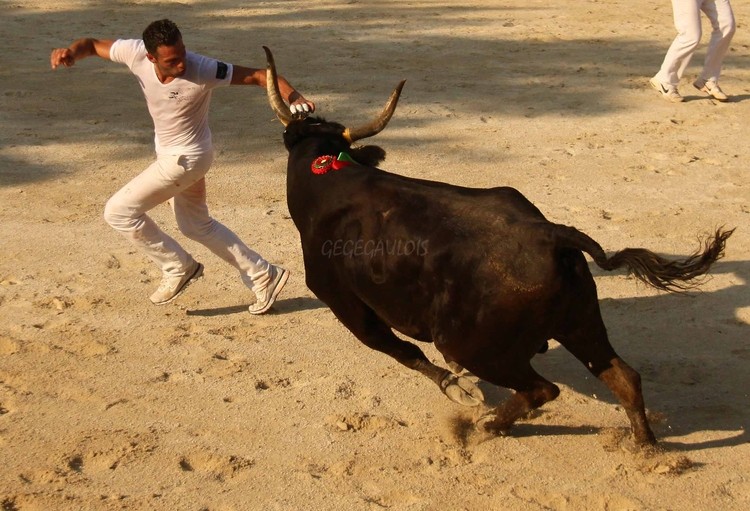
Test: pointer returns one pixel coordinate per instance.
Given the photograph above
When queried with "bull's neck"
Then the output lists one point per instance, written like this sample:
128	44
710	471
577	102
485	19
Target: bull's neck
311	148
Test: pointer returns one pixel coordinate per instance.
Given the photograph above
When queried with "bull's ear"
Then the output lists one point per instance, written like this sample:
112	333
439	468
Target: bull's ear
370	155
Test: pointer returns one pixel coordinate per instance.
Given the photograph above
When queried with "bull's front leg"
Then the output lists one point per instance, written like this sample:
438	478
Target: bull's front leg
459	389
376	334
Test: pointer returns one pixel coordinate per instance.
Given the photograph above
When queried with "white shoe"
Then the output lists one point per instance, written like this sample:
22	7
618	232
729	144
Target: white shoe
711	88
172	286
668	92
266	297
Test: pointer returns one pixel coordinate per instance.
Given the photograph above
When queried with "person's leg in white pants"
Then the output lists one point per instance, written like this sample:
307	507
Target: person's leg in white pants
181	178
687	21
719	13
194	221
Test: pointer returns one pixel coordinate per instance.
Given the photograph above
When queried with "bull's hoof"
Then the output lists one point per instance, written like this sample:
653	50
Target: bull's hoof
461	390
488	423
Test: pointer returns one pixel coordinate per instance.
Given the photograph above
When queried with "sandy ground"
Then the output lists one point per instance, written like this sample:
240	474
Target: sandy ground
107	402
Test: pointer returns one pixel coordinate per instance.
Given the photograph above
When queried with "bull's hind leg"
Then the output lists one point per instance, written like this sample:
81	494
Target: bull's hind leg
374	333
531	392
589	343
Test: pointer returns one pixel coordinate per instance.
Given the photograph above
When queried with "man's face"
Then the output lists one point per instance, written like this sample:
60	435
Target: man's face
170	60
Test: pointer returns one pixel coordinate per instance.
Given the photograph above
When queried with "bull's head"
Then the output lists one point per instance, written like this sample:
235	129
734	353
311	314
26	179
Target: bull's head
350	135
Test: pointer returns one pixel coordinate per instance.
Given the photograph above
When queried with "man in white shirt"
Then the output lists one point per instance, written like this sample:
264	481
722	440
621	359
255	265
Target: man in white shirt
177	85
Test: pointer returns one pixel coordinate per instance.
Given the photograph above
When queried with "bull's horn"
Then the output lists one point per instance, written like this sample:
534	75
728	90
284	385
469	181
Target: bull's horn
376	126
280	108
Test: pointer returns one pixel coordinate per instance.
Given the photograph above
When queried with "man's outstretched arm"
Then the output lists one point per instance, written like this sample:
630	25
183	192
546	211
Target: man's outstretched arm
80	49
250	76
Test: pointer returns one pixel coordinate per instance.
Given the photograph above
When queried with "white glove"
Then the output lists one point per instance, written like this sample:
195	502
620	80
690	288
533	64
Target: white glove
299	108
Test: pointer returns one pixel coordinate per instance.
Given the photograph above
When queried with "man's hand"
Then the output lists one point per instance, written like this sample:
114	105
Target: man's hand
61	56
302	107
80	49
299	105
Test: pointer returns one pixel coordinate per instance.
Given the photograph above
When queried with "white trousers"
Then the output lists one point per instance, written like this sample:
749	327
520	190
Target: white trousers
687	21
180	180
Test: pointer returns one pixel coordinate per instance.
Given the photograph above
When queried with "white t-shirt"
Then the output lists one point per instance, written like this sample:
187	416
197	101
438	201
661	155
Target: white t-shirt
179	108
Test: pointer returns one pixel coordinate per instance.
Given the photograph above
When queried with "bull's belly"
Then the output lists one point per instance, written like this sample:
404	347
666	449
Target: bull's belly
456	301
423	318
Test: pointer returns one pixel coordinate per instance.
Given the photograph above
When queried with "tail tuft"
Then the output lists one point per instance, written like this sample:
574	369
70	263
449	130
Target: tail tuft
672	275
653	269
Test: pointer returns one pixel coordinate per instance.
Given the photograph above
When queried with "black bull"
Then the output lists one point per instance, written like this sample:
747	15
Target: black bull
479	272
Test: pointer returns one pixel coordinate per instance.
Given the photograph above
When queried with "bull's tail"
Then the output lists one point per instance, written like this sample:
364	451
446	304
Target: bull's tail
654	270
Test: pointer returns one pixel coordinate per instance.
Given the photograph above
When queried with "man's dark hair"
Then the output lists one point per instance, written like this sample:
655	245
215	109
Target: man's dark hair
160	33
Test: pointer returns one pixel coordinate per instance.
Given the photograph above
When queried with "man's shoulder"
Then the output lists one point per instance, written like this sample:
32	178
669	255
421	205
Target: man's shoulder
127	50
200	59
209	69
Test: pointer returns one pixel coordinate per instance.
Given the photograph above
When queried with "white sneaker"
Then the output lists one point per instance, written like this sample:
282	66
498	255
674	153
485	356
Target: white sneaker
266	297
711	88
668	92
172	286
